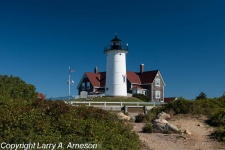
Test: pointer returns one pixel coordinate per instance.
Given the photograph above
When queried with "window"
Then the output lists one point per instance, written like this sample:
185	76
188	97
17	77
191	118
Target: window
157	82
157	94
88	85
83	86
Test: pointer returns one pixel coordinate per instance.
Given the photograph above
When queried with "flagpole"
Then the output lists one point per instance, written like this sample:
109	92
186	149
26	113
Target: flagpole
69	81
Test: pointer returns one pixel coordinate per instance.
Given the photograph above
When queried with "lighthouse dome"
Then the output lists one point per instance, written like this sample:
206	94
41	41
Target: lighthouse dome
116	44
116	39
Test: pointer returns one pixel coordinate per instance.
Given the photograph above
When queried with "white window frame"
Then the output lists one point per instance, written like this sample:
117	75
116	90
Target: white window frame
157	82
157	94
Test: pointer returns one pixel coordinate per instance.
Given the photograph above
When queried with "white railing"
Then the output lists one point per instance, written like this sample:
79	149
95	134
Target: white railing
114	104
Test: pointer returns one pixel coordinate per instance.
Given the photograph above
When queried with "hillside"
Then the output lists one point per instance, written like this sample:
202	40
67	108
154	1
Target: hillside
200	138
203	118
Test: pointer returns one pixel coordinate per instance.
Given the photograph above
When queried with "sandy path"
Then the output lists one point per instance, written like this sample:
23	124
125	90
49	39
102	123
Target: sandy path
199	139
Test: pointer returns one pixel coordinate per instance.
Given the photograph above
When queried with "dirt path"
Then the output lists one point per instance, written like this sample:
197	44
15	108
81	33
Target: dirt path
199	139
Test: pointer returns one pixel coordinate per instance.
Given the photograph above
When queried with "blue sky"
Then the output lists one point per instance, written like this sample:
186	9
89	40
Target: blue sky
184	39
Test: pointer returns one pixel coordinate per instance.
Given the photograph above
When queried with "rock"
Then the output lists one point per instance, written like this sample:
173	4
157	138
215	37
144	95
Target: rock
121	116
163	115
160	121
160	127
172	127
133	118
187	132
199	124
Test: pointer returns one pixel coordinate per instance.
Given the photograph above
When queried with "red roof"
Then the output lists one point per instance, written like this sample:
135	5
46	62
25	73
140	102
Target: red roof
147	77
133	77
41	96
98	79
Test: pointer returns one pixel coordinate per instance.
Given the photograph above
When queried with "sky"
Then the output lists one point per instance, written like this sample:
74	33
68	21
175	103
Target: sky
184	39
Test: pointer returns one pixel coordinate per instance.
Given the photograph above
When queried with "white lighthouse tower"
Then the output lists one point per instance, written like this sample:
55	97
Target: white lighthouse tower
116	82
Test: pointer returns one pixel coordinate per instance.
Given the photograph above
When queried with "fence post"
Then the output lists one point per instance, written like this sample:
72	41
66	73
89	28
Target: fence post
121	104
125	109
104	104
145	110
89	103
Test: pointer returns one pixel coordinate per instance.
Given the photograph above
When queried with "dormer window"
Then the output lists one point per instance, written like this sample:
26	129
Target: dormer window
157	82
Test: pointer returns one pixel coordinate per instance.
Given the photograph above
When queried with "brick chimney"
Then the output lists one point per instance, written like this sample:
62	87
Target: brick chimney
141	68
96	70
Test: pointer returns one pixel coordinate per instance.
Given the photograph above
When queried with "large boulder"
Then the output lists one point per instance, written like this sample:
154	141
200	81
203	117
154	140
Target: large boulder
162	127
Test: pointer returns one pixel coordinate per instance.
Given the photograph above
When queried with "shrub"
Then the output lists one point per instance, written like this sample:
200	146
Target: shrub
147	128
220	133
152	114
14	87
141	97
139	118
218	118
180	106
54	122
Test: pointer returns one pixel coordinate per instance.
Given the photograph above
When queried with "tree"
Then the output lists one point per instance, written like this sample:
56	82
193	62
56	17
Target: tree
14	87
202	95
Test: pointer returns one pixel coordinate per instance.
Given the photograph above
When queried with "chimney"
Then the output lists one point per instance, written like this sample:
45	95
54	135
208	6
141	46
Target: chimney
96	69
141	68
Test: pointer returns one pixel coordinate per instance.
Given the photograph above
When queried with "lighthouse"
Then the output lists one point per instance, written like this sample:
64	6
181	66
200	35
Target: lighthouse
116	81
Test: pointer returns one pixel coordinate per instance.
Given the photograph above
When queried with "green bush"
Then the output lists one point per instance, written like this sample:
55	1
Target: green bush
180	106
141	97
43	121
147	128
218	118
14	87
220	133
152	114
139	118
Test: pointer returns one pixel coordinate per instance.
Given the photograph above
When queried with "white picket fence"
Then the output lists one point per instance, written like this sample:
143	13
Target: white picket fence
115	104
